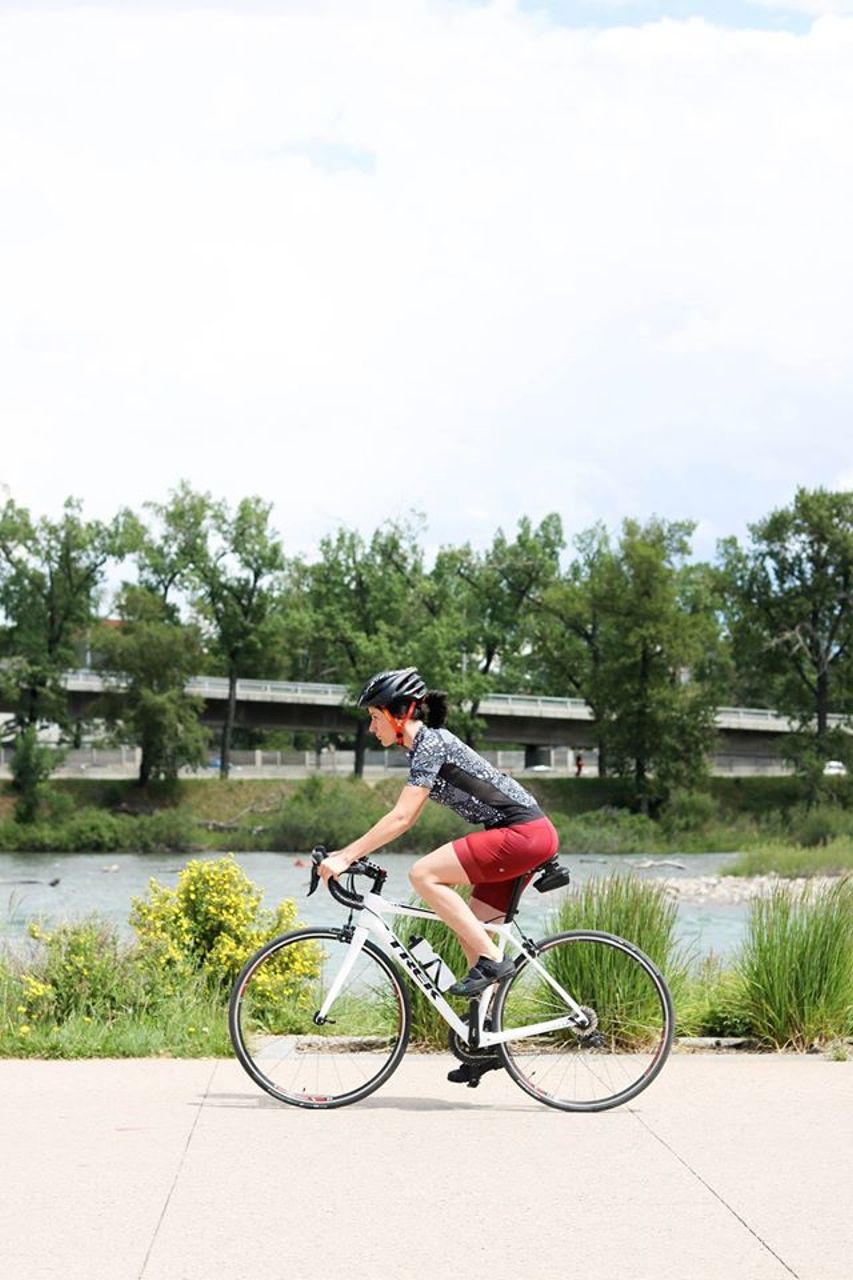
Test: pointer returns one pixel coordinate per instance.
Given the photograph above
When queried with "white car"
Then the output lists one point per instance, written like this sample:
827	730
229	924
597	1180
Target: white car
835	769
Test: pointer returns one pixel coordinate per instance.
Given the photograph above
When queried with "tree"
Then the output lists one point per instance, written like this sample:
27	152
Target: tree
492	597
149	657
51	573
32	764
789	610
365	607
236	566
656	709
569	628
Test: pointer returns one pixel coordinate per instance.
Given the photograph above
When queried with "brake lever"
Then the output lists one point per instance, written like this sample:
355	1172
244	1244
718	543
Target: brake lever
318	853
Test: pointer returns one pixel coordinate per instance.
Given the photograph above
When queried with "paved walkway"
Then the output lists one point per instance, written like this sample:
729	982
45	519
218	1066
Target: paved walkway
737	1167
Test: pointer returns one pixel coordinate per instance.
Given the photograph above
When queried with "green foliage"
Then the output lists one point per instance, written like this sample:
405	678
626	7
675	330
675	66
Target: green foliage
32	765
796	966
148	660
232	564
788	600
607	831
816	826
712	1003
485	604
657	716
785	859
85	993
83	970
630	908
688	811
94	831
210	923
335	811
50	575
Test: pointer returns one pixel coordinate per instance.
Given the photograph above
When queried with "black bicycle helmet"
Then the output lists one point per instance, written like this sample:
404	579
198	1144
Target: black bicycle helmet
389	687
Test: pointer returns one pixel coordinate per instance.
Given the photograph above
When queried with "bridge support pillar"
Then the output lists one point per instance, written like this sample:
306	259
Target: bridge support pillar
537	755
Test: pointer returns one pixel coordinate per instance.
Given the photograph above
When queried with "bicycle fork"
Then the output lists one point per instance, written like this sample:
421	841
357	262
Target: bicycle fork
357	941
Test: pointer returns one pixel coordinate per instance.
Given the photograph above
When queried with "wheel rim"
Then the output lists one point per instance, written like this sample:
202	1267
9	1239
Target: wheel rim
629	1029
275	1037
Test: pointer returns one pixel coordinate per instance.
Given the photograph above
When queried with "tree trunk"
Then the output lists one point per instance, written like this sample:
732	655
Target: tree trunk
822	707
640	732
470	735
360	748
228	725
602	758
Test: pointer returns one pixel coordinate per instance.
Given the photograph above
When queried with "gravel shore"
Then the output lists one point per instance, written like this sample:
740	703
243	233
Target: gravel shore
733	889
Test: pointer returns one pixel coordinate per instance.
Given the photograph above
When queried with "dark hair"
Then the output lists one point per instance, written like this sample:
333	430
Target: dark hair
432	709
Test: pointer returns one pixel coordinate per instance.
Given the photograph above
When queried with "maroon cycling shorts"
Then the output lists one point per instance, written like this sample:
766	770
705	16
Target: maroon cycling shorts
493	858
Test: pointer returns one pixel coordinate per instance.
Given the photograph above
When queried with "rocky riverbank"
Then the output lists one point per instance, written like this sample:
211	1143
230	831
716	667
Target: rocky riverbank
735	889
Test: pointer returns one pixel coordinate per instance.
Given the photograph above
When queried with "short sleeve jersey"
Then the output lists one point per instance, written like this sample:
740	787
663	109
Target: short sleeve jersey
460	778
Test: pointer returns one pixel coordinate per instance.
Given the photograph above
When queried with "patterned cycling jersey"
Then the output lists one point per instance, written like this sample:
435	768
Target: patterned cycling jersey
460	778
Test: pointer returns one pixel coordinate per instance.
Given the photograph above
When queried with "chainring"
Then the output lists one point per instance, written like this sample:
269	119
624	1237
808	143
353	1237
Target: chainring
462	1050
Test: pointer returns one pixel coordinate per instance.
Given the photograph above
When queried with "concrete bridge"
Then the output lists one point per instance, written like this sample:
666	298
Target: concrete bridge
534	721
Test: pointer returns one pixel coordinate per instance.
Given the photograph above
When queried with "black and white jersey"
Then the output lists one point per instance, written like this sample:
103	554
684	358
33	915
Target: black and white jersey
460	778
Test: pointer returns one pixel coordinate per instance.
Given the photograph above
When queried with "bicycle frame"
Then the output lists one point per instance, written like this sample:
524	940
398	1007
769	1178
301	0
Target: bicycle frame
372	913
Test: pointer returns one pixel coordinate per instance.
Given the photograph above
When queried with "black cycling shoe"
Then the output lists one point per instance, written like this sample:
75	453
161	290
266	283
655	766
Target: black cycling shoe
470	1072
482	975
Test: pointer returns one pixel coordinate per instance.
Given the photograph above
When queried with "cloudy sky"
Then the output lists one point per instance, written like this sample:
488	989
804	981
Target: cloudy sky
477	259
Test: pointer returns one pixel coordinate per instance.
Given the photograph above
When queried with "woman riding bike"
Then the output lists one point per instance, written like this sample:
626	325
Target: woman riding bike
516	837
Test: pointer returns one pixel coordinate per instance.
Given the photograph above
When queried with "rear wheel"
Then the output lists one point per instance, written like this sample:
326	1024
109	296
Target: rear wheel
272	1010
618	1046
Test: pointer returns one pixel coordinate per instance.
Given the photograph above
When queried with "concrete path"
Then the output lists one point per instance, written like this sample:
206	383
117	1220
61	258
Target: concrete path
737	1167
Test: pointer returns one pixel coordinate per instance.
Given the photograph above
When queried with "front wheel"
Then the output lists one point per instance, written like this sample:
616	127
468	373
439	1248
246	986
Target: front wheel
273	1007
613	1049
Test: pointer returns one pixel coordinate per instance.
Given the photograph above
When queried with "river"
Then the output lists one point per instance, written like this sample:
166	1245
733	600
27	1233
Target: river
54	887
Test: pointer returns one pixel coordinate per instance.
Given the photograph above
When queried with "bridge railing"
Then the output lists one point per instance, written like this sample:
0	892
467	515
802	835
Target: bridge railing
545	705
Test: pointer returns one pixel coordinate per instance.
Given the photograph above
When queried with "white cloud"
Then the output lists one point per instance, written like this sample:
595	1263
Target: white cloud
816	8
359	258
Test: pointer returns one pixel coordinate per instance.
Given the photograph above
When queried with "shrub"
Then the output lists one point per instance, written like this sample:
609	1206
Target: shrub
31	765
81	969
90	830
712	1003
817	826
688	811
171	830
210	923
796	966
607	831
328	811
793	860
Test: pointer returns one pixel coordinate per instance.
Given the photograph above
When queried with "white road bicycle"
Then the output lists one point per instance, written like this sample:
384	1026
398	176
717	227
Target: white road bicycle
321	1017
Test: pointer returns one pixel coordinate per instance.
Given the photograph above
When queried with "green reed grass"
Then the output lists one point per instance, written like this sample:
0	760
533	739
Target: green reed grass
791	860
796	966
638	910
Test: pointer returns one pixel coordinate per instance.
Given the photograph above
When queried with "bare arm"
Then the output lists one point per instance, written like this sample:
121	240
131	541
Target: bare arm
404	815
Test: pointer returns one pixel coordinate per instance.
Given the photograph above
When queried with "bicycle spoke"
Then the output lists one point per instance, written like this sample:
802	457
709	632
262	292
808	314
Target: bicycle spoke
272	1023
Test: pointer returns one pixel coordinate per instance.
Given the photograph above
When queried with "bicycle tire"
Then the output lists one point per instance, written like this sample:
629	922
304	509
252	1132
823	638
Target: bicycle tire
271	1020
630	1028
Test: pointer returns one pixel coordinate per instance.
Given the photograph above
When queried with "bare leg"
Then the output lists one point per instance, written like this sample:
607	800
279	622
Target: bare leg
432	877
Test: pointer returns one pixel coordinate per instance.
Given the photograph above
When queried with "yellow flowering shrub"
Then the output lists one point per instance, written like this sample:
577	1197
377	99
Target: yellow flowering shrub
211	922
83	969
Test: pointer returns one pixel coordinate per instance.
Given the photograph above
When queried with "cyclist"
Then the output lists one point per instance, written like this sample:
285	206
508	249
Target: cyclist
516	836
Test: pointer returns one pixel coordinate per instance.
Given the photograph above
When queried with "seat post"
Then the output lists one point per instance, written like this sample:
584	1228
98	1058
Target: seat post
517	890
